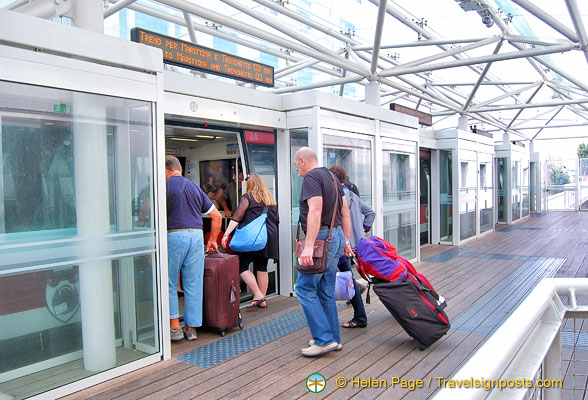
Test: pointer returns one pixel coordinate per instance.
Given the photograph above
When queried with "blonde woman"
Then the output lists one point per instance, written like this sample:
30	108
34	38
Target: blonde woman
251	206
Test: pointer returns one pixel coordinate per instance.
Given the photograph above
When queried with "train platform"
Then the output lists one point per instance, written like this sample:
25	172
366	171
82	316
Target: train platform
483	282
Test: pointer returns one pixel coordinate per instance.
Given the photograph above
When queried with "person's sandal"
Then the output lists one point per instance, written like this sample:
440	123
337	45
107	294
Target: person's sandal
352	324
257	303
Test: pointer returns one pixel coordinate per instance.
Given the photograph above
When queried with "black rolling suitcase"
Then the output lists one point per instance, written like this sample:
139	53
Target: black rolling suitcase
416	307
221	292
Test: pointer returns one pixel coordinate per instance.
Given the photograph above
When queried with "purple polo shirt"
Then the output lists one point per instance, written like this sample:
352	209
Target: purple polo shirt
185	206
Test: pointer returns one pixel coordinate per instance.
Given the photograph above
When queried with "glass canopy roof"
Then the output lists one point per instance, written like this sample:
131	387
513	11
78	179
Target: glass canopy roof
519	66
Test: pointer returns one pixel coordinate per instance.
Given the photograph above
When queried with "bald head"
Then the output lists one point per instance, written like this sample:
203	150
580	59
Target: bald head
305	160
307	153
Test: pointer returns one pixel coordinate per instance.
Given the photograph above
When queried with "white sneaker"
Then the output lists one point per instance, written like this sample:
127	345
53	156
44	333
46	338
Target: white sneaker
315	351
339	345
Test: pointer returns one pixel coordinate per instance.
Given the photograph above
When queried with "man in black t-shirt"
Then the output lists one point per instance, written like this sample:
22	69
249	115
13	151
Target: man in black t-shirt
316	292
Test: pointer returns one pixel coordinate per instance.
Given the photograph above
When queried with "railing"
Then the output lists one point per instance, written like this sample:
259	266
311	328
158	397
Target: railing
523	358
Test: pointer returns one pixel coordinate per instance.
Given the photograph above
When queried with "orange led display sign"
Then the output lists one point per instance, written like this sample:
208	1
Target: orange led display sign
188	55
424	118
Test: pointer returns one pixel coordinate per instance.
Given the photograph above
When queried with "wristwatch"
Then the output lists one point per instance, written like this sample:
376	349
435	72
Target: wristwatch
348	242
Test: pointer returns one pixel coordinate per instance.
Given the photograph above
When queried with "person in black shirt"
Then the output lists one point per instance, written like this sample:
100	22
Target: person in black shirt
316	292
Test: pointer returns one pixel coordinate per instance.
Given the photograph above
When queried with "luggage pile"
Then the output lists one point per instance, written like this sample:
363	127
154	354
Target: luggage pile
408	295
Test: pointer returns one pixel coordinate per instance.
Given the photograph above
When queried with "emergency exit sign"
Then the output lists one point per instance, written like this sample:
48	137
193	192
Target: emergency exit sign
61	109
189	55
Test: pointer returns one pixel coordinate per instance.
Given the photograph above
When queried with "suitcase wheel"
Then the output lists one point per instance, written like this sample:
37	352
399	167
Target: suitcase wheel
240	321
223	333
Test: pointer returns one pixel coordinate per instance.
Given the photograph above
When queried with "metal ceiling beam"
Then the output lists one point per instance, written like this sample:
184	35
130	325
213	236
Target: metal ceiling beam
547	123
320	52
419	43
479	60
415	27
119	5
578	25
535	117
240	26
417	94
548	19
502	83
378	35
480	79
510	94
214	32
315	85
523	128
452	52
534	40
526	103
536	105
281	8
290	69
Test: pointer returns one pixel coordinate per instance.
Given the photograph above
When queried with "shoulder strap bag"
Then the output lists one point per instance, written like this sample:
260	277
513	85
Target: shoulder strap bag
321	247
251	237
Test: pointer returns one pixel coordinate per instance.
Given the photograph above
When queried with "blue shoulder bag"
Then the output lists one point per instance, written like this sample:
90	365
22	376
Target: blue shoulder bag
251	237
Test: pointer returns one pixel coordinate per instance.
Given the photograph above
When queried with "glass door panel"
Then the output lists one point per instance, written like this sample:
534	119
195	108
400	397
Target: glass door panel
355	156
425	196
525	189
486	194
446	188
467	195
298	139
516	189
78	242
399	203
501	189
260	158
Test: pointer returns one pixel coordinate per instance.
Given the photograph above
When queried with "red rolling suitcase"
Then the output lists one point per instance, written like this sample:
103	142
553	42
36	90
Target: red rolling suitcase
221	292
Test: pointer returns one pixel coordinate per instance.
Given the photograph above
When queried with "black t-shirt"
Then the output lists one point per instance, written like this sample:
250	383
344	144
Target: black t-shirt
318	182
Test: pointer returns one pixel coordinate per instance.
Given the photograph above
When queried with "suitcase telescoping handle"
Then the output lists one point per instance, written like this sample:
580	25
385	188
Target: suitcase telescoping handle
363	275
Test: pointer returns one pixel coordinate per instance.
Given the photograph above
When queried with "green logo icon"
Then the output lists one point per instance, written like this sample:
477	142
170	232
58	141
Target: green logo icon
316	383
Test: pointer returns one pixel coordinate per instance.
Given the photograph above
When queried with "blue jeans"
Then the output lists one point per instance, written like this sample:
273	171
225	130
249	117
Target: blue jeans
359	315
316	293
185	253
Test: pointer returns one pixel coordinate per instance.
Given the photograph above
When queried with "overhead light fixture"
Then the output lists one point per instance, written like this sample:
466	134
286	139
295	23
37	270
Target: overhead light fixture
205	137
184	139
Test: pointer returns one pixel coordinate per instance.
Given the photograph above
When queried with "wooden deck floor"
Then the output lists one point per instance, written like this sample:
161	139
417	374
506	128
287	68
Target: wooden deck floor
382	350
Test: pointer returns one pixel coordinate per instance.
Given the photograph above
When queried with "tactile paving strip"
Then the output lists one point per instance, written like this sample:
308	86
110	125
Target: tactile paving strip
246	340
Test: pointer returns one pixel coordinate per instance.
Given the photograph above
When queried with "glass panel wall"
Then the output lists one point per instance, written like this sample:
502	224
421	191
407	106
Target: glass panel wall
446	187
525	188
260	148
467	194
298	139
516	189
501	189
399	203
355	156
486	193
583	177
77	237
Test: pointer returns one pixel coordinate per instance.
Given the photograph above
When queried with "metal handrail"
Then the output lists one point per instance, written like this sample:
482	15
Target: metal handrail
528	339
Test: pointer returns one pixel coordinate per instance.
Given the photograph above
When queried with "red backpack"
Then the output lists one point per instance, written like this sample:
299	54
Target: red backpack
378	258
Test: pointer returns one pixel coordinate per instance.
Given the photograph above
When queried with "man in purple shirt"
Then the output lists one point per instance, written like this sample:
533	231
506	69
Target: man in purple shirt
186	203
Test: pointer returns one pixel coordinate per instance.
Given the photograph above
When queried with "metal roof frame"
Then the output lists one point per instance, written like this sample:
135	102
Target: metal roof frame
481	93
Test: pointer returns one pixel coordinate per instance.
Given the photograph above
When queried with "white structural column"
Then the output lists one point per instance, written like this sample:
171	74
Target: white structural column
92	211
372	93
462	123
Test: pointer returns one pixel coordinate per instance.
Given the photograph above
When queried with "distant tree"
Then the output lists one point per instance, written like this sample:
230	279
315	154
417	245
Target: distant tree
559	176
582	151
583	156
